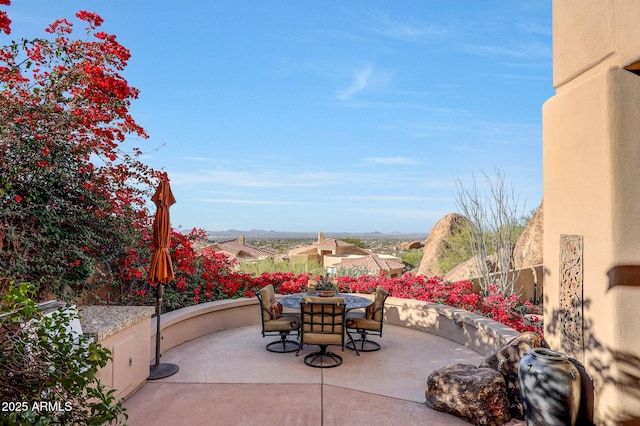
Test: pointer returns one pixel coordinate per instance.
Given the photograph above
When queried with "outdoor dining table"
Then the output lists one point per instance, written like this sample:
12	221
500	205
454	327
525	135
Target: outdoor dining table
351	301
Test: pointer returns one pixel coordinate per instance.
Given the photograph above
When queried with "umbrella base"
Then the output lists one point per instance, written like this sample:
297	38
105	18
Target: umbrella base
160	371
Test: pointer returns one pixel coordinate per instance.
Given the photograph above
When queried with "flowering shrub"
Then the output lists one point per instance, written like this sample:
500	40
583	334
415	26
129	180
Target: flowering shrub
462	294
222	282
71	200
5	22
199	276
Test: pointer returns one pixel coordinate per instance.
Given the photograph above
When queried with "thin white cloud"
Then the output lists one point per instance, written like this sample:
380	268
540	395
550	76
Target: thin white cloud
241	201
364	78
400	213
265	178
235	178
388	105
405	31
515	50
394	198
392	161
536	28
529	77
438	183
361	80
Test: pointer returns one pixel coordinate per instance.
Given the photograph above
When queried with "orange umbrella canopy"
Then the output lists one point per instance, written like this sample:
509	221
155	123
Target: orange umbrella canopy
161	270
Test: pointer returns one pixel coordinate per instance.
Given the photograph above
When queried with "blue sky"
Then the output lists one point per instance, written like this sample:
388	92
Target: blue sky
343	116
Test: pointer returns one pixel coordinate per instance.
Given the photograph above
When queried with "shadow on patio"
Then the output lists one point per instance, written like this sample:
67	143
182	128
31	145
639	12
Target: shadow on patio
229	378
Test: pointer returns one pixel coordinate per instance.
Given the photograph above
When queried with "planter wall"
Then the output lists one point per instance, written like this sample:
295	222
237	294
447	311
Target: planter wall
476	332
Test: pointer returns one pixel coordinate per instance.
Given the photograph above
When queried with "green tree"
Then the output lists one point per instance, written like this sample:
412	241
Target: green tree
356	242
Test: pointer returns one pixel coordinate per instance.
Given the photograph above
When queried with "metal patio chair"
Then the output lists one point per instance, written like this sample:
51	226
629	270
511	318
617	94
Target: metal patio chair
274	323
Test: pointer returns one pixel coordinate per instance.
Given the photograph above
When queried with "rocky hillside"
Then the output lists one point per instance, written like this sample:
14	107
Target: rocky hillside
527	251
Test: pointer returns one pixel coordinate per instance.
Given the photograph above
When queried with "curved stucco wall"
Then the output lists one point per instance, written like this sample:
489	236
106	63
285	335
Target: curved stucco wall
474	331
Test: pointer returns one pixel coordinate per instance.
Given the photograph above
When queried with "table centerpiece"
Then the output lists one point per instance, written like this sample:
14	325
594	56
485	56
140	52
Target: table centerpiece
326	288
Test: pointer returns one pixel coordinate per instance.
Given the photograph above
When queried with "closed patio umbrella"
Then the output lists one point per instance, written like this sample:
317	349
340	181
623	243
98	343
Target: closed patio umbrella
161	269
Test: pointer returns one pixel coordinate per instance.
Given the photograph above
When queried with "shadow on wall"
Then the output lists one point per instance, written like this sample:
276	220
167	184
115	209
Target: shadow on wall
475	331
608	367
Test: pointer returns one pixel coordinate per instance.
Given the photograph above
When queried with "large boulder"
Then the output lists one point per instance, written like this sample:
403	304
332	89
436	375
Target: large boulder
468	269
528	249
527	252
410	245
477	395
437	242
506	361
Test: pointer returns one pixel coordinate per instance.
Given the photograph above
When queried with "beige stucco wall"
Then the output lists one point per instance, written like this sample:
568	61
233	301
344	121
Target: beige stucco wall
592	33
591	159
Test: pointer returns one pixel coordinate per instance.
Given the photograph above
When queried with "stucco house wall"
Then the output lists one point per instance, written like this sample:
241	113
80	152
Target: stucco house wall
591	160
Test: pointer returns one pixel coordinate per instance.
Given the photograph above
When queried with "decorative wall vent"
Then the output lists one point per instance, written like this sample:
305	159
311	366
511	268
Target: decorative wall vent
571	295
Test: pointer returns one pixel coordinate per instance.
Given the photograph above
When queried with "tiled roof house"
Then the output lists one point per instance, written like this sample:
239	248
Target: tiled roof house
325	252
391	267
239	249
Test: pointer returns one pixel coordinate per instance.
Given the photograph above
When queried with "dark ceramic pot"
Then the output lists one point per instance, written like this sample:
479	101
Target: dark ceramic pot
549	388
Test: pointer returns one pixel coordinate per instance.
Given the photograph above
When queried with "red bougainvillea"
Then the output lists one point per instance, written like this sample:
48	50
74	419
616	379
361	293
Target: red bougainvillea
5	22
65	181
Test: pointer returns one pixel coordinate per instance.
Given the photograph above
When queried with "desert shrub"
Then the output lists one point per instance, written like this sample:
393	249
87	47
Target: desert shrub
412	257
272	265
355	241
353	271
495	213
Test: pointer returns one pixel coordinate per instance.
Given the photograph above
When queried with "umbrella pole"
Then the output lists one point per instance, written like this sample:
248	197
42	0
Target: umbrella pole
159	294
160	371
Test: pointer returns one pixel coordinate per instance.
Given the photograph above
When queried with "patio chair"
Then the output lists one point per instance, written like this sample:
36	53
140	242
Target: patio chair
368	323
274	323
322	324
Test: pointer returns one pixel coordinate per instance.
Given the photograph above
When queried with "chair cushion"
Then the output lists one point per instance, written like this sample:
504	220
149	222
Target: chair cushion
369	310
322	339
318	299
283	323
363	324
267	296
381	294
276	310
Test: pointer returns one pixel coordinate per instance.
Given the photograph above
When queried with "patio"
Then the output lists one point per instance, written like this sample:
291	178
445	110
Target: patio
229	378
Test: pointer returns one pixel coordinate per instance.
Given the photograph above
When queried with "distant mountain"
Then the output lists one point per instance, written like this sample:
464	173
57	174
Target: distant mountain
260	234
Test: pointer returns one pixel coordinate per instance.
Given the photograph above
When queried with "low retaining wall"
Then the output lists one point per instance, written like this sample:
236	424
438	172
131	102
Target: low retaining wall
474	331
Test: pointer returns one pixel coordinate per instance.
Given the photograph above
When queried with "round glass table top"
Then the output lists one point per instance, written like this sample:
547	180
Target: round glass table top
351	301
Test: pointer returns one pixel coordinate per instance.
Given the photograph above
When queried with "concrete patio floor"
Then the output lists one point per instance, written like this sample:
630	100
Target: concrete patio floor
229	378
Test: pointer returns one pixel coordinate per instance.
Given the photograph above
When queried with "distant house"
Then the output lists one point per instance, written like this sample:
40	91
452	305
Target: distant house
390	267
327	252
239	249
